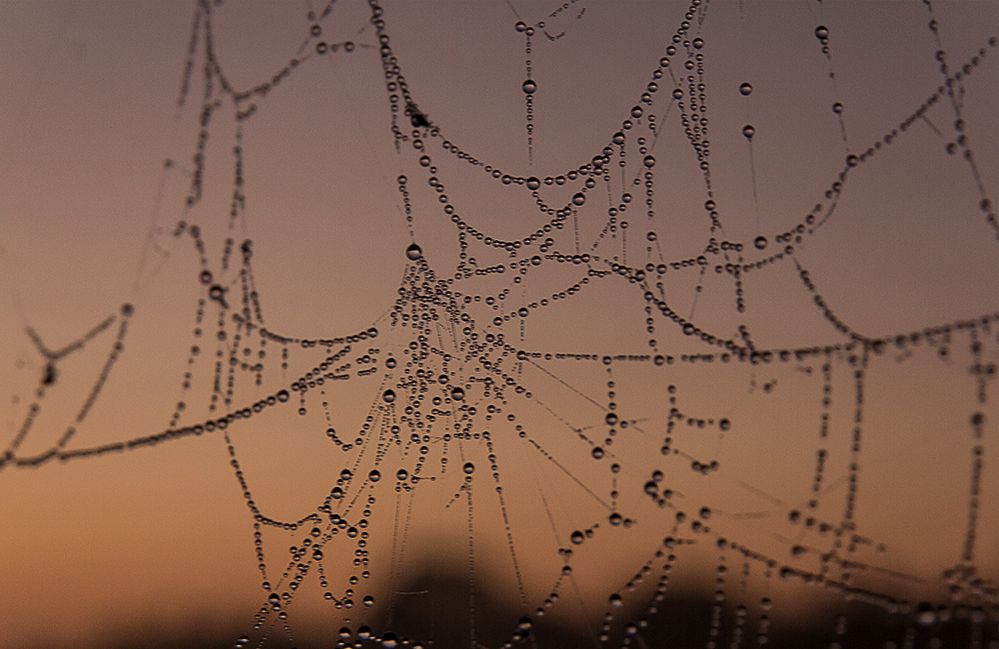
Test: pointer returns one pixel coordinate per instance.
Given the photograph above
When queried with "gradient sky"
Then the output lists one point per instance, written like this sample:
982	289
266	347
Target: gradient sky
161	538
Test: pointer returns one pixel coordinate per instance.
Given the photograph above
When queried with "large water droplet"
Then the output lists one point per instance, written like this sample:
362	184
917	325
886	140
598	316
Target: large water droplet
414	252
926	615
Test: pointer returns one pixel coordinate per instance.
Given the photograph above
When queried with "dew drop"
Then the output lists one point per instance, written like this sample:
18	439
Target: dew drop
748	131
926	615
388	396
414	252
760	242
529	87
745	89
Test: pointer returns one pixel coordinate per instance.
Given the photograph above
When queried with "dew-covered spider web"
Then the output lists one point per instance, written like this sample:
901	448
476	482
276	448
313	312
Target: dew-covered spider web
501	324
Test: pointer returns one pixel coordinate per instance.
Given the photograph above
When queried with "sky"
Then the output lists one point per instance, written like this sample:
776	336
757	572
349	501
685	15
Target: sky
157	542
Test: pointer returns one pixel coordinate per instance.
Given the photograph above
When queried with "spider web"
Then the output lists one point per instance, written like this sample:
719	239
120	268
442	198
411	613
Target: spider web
592	382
